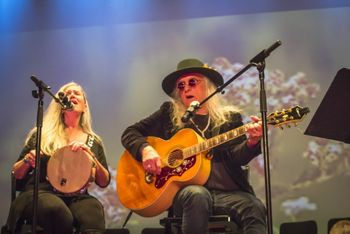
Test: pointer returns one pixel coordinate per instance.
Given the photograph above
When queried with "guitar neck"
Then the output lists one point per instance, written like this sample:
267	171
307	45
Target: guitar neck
214	141
277	119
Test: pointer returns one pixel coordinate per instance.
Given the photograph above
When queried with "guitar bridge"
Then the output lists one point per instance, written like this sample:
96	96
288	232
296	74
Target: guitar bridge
148	178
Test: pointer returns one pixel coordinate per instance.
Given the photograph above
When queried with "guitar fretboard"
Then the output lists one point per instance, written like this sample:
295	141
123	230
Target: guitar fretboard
214	141
277	118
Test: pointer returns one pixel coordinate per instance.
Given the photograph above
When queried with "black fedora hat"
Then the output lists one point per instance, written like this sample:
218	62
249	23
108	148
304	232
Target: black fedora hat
190	65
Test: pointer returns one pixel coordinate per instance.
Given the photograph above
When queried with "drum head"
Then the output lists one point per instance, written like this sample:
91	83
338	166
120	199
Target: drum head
68	171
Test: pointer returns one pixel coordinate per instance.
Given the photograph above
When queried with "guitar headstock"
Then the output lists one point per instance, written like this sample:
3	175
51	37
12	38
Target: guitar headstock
287	116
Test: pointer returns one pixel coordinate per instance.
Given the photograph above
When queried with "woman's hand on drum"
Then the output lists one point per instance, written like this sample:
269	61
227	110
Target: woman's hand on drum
76	145
22	167
29	158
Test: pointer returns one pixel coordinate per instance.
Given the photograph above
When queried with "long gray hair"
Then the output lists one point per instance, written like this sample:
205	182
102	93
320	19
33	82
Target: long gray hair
217	107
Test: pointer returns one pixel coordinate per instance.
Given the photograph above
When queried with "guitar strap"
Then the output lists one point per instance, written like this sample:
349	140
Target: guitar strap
90	141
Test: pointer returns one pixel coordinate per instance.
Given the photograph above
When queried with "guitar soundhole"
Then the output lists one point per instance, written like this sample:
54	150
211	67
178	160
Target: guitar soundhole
175	158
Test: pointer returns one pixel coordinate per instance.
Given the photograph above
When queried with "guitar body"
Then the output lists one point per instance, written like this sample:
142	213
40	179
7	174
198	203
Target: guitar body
152	198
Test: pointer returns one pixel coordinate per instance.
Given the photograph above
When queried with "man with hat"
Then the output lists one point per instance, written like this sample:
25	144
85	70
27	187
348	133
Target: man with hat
227	190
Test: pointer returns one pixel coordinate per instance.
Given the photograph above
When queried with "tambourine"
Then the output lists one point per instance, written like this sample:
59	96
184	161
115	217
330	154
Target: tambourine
70	172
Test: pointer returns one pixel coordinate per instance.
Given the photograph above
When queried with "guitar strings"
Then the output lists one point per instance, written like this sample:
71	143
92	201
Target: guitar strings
202	132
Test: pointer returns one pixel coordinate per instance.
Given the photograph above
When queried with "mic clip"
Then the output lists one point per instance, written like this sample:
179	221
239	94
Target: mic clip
67	105
194	106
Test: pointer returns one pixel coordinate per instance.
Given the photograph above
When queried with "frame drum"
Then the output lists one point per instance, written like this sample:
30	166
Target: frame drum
70	172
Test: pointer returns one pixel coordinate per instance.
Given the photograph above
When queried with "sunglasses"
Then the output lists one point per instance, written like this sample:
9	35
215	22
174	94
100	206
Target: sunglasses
191	82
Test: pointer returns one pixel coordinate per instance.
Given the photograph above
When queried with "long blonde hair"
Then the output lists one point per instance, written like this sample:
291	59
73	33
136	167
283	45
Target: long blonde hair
53	134
217	107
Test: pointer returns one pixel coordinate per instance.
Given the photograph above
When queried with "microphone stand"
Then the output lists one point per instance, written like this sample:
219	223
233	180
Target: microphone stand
39	94
259	62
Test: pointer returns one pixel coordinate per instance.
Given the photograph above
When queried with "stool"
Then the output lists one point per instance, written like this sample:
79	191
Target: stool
301	227
217	224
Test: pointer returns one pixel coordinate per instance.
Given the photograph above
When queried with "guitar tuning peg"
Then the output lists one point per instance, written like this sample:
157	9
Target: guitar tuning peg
281	127
288	126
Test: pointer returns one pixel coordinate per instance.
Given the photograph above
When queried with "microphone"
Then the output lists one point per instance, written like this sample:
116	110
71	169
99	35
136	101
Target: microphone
39	83
67	104
265	53
190	111
272	48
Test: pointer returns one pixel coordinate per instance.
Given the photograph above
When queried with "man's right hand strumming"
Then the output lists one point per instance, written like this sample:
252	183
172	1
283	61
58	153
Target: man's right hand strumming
151	160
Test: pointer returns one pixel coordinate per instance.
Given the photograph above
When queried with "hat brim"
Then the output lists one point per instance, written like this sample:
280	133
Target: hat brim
169	81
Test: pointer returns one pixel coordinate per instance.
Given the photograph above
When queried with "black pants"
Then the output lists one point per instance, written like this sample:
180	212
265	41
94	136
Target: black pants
57	215
195	204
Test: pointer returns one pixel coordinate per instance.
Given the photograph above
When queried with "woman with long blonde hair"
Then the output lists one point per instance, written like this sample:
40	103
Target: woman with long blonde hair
63	130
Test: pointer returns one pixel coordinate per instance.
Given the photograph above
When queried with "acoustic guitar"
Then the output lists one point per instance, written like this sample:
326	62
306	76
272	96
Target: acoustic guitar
184	162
